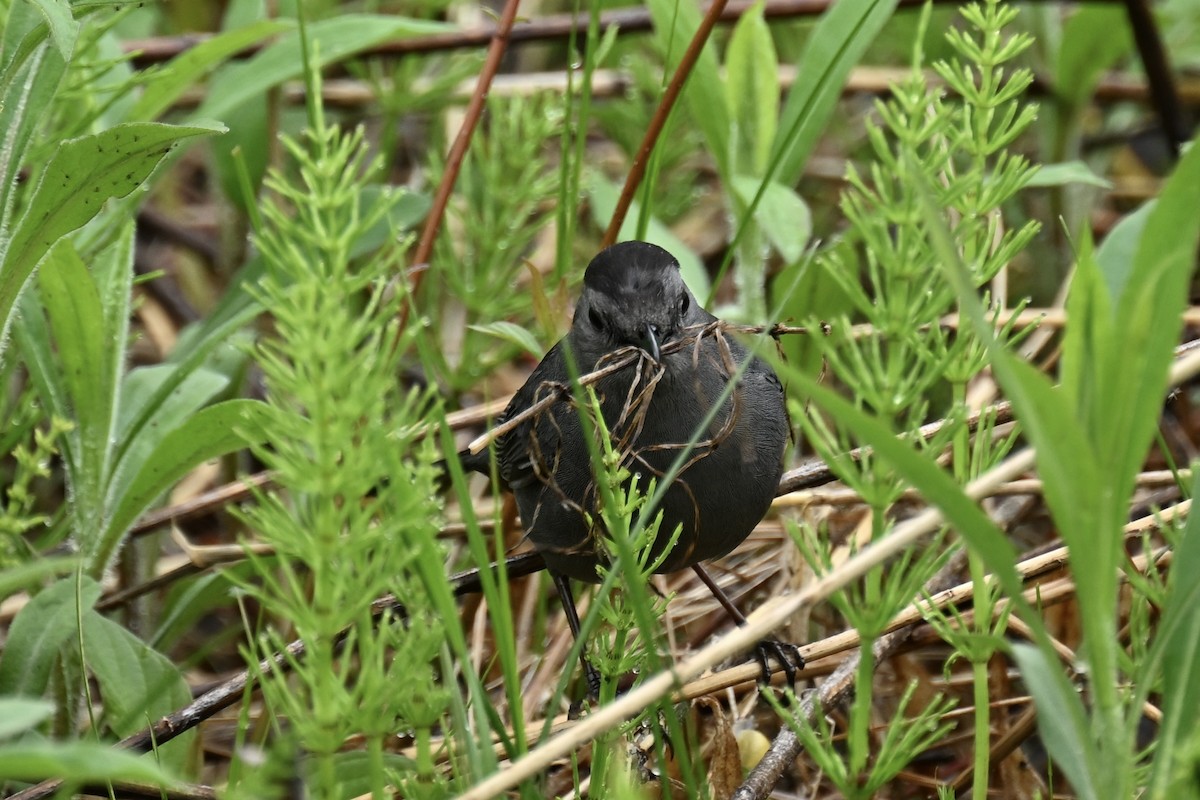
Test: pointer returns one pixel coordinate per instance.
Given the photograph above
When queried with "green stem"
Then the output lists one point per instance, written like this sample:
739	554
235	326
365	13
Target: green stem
983	739
375	762
860	709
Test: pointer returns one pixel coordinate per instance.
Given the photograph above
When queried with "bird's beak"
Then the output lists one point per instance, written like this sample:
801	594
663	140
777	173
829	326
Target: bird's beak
650	342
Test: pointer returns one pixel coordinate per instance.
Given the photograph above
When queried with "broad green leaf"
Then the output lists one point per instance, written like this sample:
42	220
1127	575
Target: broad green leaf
833	49
1065	173
243	12
27	88
1074	485
1089	337
20	714
167	83
675	23
137	683
1077	487
1093	38
82	174
89	317
37	633
405	209
209	433
1062	721
604	194
62	24
1148	312
1070	468
143	383
78	762
1178	640
195	347
32	334
752	93
245	149
77	320
1116	253
511	333
337	39
23	576
782	214
22	20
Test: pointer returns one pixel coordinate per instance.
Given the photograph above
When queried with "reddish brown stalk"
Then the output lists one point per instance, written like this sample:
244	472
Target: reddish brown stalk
637	169
458	151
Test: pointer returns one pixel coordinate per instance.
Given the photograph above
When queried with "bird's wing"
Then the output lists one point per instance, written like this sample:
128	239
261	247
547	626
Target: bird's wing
512	449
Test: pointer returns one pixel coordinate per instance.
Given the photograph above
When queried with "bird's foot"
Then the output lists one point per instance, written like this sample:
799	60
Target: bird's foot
787	654
593	692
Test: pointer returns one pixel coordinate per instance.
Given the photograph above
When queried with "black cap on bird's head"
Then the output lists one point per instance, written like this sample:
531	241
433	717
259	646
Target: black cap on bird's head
633	294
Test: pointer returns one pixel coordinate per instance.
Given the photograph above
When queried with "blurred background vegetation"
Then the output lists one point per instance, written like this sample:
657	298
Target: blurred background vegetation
211	220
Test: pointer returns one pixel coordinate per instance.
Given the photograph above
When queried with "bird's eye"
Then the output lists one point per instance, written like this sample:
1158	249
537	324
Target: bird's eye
685	304
595	318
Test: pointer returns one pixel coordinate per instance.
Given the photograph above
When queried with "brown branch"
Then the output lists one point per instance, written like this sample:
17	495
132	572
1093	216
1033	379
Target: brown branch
637	169
455	158
1163	93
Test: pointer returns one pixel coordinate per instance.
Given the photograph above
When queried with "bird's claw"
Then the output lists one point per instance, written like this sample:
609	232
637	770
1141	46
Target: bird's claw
787	654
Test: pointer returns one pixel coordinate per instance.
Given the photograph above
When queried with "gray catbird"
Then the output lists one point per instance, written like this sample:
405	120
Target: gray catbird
634	297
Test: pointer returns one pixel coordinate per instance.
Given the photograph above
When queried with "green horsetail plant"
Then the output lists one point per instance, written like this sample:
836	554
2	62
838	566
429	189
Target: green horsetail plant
356	513
888	267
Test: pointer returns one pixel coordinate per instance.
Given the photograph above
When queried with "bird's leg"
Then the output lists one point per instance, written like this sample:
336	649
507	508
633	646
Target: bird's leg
787	654
563	584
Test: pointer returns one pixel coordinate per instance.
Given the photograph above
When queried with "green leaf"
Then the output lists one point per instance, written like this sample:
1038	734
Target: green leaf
833	49
752	93
337	39
29	83
73	305
1093	38
1062	720
1088	339
189	394
925	475
137	683
1066	173
62	24
77	762
1116	254
782	214
23	576
189	600
20	714
37	633
1148	317
675	23
32	335
209	433
82	174
405	209
511	333
246	148
173	409
1178	640
89	317
168	83
604	194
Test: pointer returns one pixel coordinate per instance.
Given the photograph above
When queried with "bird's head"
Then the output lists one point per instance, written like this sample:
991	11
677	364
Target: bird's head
633	294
